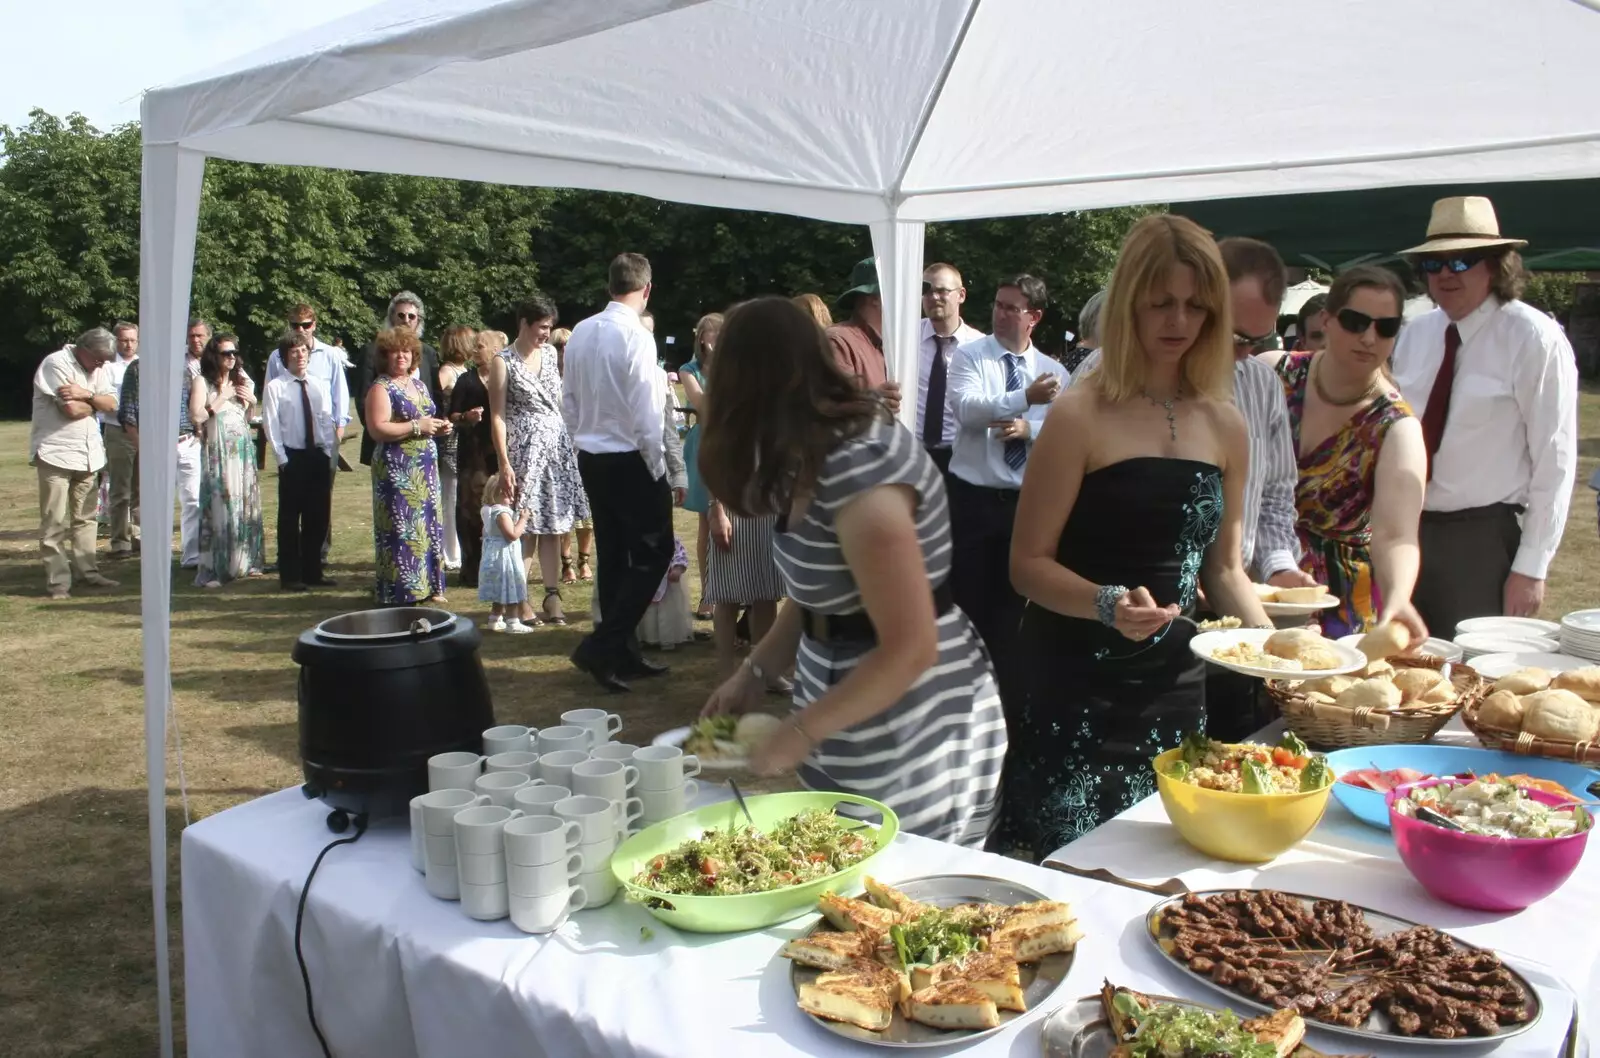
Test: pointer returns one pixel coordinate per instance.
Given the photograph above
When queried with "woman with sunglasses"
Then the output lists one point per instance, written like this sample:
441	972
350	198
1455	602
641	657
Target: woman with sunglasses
221	397
1362	463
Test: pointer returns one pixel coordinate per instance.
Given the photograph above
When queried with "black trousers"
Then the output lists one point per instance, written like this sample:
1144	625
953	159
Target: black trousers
941	459
980	572
1466	558
304	499
632	514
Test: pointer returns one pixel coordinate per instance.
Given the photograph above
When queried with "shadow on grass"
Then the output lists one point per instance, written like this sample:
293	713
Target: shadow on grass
1589	447
250	686
280	740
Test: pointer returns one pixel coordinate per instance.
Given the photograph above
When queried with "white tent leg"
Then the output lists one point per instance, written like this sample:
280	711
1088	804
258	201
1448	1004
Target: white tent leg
169	215
897	244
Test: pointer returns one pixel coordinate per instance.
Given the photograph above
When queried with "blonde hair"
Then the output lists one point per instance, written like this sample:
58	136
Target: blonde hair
1152	249
817	307
492	494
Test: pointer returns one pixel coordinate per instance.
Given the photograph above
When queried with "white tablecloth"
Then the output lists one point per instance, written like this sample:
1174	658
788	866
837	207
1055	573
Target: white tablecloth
398	974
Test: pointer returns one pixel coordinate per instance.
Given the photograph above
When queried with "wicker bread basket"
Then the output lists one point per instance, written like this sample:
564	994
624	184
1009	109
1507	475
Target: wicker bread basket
1526	744
1328	726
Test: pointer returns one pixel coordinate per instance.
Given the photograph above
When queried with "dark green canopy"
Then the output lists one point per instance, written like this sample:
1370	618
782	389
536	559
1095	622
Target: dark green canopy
1336	229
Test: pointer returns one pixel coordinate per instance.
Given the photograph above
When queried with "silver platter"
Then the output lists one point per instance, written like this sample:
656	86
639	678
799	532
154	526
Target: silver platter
1079	1029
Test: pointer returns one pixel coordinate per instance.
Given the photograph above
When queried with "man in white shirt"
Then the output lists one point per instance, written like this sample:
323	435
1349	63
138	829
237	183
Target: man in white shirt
297	417
614	405
942	330
1000	389
330	364
1496	385
122	455
70	388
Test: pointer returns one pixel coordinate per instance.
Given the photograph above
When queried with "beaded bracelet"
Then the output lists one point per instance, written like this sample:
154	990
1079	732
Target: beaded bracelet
1105	603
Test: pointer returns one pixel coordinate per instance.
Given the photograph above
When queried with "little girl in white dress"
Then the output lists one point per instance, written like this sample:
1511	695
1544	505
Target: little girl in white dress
502	578
667	621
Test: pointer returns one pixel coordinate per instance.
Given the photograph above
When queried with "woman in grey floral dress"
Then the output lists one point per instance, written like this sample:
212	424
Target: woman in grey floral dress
533	446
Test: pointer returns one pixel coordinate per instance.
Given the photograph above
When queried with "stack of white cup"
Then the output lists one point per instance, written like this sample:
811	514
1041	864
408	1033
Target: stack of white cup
666	785
541	865
602	822
613	781
481	860
439	811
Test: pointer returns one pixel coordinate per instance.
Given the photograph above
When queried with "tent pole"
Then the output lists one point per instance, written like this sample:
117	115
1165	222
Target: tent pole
169	214
897	244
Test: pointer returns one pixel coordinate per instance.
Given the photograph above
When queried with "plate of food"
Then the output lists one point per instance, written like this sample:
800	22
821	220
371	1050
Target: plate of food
1277	654
711	870
931	961
1343	968
723	743
1122	1023
1295	602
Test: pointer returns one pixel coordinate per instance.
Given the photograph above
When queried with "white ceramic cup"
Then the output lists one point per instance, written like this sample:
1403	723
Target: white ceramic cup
507	738
453	771
441	880
482	870
438	850
556	767
539	798
622	751
663	767
542	914
556	739
664	804
610	779
525	761
597	855
478	829
600	818
486	902
439	810
544	878
500	786
419	848
598	888
600	724
535	840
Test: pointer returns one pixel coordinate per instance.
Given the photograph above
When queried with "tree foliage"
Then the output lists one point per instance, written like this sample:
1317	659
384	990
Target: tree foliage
271	236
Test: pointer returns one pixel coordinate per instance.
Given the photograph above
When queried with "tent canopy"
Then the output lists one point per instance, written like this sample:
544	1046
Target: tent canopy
1333	230
889	113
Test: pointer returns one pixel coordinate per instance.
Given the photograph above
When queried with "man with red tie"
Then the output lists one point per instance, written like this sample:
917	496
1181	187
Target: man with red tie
1496	385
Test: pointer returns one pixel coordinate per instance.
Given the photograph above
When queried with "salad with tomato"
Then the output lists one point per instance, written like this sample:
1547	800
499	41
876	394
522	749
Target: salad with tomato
1251	767
803	848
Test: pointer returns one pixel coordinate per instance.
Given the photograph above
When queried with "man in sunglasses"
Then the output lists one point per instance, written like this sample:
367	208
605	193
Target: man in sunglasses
405	310
1496	385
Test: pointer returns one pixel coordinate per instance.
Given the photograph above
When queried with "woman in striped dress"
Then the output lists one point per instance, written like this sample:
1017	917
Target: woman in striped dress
895	698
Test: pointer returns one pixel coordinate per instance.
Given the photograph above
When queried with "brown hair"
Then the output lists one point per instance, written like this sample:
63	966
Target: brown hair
211	361
292	340
710	321
1254	259
782	405
1510	277
1155	246
817	308
628	272
1364	277
456	344
301	311
394	340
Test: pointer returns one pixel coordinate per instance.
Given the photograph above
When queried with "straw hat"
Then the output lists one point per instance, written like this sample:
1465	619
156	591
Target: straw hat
1463	223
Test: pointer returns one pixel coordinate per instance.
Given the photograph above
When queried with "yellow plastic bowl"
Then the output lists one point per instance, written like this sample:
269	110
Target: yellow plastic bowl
1243	828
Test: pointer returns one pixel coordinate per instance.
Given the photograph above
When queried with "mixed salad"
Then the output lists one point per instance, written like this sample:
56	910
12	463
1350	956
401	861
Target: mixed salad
1169	1030
803	848
1492	809
940	934
1250	767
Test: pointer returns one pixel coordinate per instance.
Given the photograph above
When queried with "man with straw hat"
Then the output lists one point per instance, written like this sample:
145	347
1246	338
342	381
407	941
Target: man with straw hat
1497	387
857	343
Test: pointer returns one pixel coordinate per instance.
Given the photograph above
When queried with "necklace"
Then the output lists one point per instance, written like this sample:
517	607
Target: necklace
1172	416
1327	398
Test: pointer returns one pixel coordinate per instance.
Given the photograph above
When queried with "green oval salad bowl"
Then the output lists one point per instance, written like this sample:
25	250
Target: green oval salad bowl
735	912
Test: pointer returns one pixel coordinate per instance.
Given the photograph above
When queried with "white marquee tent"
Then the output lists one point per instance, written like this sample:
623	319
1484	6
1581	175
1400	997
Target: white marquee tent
888	113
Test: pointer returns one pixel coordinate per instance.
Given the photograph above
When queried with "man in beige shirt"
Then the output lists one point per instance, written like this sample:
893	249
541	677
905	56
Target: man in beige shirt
69	388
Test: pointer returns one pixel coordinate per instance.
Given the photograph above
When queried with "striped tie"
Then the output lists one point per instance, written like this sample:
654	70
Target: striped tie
1016	452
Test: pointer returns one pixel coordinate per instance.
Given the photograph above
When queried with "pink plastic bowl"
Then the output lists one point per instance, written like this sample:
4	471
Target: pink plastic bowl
1483	873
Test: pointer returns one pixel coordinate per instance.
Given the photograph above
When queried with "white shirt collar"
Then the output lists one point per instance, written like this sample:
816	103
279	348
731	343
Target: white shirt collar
1473	322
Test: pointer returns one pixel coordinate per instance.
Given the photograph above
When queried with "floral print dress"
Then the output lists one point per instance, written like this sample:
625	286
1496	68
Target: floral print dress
406	530
232	538
539	448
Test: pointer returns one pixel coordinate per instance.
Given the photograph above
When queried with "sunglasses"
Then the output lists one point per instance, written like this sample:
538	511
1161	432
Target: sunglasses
407	316
1358	322
1256	344
302	325
1456	264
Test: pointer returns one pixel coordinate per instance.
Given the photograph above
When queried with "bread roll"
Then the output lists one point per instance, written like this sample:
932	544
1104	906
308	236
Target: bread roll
1331	686
1266	592
1523	681
1561	716
1302	595
1385	641
1585	683
1318	656
1370	694
1377	670
1289	642
1502	710
1414	683
1442	692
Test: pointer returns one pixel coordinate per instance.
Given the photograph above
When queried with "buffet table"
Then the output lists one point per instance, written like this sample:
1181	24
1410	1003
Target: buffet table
396	973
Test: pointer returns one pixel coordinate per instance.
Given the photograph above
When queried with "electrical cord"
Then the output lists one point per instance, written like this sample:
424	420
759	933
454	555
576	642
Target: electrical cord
299	921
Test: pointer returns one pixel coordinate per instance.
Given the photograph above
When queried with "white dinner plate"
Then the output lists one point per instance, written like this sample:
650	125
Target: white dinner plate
1299	609
1493	666
1582	622
1475	643
1439	648
1205	643
1519	627
677	736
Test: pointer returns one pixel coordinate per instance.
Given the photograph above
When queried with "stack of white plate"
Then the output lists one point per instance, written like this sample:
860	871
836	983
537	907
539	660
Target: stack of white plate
1580	634
1494	666
1507	635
